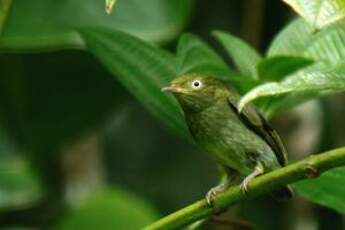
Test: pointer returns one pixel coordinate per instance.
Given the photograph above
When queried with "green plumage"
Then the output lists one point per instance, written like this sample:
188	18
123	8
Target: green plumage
240	142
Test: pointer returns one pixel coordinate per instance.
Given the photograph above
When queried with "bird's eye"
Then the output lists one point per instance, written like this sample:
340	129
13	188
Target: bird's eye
196	84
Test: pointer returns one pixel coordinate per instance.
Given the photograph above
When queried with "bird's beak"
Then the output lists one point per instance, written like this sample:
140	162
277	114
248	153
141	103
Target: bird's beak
171	89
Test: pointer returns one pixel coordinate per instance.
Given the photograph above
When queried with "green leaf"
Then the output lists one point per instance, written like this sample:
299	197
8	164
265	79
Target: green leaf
110	209
109	4
292	40
326	190
143	69
195	56
297	39
325	77
319	13
314	80
328	45
52	25
278	67
244	56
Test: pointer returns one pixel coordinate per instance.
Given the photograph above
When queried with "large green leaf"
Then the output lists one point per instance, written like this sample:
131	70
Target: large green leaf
244	56
277	67
195	56
327	50
313	80
292	40
319	13
49	24
327	190
298	39
328	45
110	209
141	68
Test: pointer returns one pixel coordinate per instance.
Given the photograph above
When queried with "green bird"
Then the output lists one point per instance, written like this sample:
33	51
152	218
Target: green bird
242	142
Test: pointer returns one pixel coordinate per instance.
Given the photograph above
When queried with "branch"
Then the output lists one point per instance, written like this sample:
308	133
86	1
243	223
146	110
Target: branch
307	168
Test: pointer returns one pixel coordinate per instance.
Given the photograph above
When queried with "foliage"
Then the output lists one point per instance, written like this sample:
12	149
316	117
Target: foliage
244	56
325	190
304	61
108	208
61	21
324	48
143	69
319	13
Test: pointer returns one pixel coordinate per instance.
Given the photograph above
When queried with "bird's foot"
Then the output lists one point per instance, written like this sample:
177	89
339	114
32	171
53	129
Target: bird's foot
244	185
259	169
213	192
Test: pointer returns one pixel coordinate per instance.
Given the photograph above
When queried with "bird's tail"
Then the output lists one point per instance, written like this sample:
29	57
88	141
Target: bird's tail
283	194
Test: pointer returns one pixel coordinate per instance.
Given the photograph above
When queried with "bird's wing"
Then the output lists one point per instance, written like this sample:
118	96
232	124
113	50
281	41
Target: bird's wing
259	125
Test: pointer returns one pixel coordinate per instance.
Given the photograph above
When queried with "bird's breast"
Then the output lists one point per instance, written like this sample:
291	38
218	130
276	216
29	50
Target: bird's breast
223	135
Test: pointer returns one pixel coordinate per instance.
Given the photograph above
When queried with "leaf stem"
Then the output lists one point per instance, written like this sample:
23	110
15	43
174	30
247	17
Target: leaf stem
307	168
4	9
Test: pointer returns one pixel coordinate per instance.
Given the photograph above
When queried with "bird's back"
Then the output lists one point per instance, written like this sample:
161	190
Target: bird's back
230	142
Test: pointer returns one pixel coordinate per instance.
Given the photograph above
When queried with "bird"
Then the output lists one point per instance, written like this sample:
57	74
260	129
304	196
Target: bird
243	143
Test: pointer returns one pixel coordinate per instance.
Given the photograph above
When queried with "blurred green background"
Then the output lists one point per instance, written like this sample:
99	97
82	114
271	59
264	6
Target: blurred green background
78	151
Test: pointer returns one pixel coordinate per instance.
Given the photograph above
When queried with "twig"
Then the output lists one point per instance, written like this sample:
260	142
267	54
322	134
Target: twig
263	184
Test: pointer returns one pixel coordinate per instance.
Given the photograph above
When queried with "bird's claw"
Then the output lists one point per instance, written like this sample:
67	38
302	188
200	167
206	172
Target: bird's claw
259	169
244	186
213	192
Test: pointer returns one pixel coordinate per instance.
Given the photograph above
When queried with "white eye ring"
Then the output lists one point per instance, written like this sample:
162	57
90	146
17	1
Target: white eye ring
196	84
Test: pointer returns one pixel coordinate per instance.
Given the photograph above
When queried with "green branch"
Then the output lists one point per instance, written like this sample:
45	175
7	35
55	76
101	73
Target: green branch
307	168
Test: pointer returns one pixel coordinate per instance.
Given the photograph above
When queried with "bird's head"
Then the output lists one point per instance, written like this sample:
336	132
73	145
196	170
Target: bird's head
196	92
